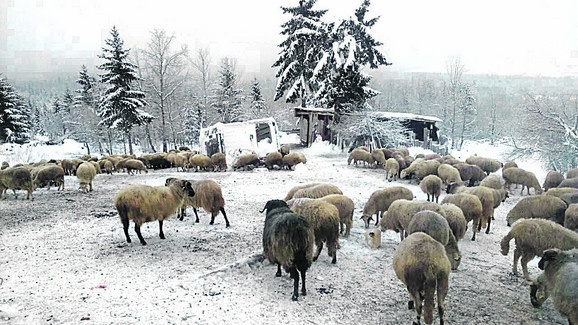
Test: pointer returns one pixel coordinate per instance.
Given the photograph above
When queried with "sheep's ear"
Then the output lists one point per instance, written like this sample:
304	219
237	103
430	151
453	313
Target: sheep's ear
549	255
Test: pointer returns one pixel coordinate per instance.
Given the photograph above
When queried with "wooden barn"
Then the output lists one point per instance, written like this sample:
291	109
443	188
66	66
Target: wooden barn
422	127
314	122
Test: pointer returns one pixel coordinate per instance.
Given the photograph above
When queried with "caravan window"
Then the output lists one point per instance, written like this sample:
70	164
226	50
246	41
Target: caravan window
263	131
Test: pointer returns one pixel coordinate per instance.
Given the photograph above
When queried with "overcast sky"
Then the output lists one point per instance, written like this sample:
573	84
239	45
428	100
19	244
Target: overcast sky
512	37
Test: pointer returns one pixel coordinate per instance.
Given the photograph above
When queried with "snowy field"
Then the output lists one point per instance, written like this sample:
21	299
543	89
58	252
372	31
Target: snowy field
64	258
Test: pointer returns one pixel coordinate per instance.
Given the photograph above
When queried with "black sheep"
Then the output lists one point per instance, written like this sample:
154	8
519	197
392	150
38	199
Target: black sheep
288	242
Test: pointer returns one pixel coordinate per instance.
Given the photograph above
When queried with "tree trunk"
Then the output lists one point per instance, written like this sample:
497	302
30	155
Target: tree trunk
148	134
109	132
87	148
129	143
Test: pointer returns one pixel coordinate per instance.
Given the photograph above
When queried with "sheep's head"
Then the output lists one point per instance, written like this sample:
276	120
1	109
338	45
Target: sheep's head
366	219
549	256
538	293
274	204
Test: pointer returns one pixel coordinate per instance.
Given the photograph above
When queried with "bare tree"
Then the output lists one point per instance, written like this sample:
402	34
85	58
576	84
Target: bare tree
455	71
167	72
467	109
201	64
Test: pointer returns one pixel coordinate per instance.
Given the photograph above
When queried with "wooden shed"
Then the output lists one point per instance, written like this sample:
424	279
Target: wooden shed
423	127
314	122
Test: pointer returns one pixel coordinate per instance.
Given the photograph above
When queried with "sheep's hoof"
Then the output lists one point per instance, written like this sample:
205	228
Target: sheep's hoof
304	292
227	226
410	305
278	274
294	298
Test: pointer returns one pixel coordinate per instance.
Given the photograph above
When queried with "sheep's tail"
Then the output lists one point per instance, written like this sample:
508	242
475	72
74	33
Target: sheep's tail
505	244
304	239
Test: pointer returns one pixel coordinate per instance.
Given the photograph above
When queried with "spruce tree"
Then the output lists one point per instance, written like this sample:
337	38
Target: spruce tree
227	99
301	52
14	115
258	107
120	106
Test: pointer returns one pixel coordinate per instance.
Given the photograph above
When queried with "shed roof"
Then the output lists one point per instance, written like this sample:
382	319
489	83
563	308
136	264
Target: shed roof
406	116
318	110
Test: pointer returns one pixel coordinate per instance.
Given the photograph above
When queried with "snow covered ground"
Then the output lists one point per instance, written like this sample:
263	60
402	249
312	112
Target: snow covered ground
64	258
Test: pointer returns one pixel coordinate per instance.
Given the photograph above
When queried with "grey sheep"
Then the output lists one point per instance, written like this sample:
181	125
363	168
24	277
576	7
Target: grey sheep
540	206
432	186
428	167
291	192
401	212
486	197
515	175
421	263
16	178
378	157
571	217
471	207
410	171
274	159
509	164
391	169
284	150
380	201
492	181
534	236
435	225
488	165
85	174
455	217
142	203
345	206
134	164
570	182
199	162
470	173
293	159
572	173
553	179
559	280
323	218
219	162
288	242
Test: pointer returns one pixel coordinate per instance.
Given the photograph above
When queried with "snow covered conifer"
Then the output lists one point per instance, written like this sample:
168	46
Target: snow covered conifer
257	102
14	115
301	51
227	99
120	105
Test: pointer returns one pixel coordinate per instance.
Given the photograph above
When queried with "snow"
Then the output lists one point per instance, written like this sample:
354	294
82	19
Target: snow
65	258
407	116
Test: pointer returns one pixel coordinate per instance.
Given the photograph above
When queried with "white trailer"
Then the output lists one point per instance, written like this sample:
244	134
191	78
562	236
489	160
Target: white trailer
236	139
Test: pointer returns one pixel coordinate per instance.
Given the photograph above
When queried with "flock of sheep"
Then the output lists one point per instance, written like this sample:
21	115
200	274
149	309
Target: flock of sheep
543	224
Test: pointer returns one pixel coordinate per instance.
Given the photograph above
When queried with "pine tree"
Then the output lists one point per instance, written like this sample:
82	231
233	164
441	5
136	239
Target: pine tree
84	119
85	95
192	125
120	106
227	99
257	107
301	51
15	122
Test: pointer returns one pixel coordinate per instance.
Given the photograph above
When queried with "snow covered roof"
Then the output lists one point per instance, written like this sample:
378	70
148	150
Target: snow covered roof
406	116
219	125
314	109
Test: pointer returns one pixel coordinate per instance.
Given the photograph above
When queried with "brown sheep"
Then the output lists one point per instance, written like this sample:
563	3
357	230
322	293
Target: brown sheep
560	191
428	167
219	162
470	173
200	162
455	217
571	217
108	166
293	159
488	165
486	196
401	212
360	155
49	175
560	280
432	186
134	164
403	162
540	206
323	218
572	173
96	166
409	171
141	203
16	178
67	166
509	164
291	192
421	263
391	169
471	207
532	237
515	175
345	206
492	181
284	150
553	179
85	174
449	174
435	225
274	159
378	157
317	191
380	201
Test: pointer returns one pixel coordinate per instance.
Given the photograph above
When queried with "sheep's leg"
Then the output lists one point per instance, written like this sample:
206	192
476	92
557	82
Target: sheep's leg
442	291
90	184
429	304
161	233
303	289
137	230
319	248
196	215
525	259
278	270
295	276
125	222
417	304
489	222
522	191
227	224
517	255
377	217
